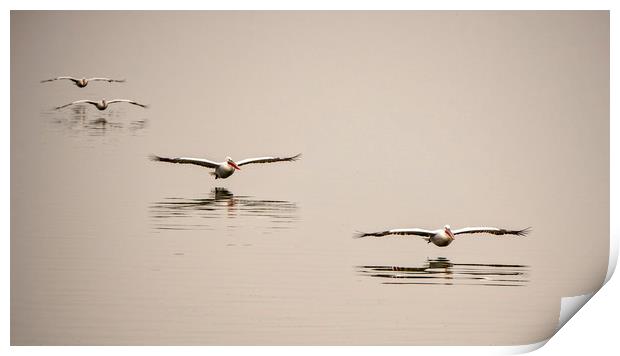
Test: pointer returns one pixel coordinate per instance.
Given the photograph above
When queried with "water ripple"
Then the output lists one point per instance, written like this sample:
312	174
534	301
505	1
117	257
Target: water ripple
78	120
441	271
175	213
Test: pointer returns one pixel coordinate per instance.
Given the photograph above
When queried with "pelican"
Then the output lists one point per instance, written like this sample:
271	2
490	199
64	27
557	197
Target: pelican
227	168
444	237
82	82
102	104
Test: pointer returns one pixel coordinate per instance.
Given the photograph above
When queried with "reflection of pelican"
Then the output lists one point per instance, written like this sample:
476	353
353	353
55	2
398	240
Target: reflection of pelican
100	124
220	193
277	212
444	237
82	82
223	194
227	168
102	104
79	112
100	121
443	271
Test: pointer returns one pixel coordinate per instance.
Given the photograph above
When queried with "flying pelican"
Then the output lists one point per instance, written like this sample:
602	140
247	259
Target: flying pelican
102	104
82	82
444	237
227	168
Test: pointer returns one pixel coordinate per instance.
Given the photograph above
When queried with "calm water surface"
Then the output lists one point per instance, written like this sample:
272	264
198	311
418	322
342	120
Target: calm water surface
398	116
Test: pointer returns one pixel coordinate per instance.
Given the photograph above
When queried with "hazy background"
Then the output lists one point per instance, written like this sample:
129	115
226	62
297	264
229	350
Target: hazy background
404	119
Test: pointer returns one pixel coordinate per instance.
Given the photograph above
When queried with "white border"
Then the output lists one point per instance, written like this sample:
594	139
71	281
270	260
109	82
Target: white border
595	323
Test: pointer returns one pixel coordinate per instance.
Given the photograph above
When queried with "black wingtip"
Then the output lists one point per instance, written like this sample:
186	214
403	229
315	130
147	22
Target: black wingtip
155	158
139	104
296	157
359	235
525	231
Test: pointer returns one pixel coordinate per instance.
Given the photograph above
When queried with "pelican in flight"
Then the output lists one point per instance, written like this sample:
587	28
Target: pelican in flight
444	237
102	104
227	168
82	82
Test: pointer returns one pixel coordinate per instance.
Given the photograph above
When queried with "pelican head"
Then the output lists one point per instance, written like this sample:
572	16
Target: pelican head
232	163
448	232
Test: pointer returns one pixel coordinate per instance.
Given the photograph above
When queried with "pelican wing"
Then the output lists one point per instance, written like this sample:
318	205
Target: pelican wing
268	159
106	80
418	232
60	78
491	230
77	102
187	160
126	101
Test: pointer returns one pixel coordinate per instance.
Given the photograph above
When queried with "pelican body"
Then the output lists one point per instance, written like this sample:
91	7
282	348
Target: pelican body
81	83
224	169
444	237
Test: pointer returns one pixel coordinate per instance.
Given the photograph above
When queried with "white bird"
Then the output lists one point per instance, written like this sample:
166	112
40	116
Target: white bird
102	104
227	168
82	82
444	237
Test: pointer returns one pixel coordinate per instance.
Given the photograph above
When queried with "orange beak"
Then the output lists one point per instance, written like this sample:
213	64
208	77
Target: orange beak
450	233
234	165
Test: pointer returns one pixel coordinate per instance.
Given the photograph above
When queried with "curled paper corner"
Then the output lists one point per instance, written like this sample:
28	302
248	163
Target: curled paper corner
569	306
523	349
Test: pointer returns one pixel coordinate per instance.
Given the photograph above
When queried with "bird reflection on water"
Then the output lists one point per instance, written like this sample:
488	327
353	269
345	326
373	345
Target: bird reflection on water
441	271
81	121
174	213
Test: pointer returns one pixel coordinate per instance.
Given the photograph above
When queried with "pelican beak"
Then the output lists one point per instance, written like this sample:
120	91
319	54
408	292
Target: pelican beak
234	165
450	233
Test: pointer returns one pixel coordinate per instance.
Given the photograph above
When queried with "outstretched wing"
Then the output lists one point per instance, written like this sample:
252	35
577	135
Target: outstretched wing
60	78
106	80
126	101
187	160
268	159
77	102
491	230
418	232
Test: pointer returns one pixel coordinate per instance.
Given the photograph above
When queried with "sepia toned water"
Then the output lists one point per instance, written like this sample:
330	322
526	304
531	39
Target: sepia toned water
403	119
